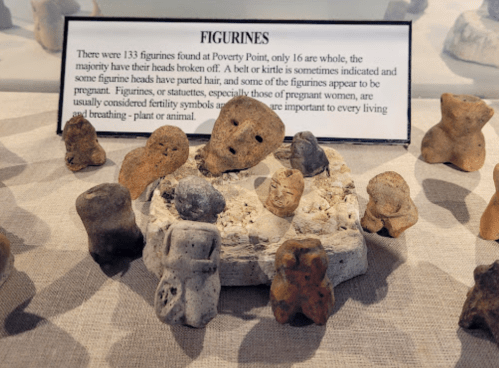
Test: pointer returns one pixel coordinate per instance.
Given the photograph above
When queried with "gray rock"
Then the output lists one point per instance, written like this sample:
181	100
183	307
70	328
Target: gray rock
5	16
106	212
417	6
189	288
197	200
306	155
493	8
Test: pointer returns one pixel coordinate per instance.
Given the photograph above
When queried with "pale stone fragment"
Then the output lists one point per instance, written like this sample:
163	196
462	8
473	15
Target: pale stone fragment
48	24
251	235
475	37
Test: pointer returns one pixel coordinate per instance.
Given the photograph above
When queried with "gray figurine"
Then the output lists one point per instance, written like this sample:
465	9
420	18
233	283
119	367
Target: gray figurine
190	284
307	156
197	200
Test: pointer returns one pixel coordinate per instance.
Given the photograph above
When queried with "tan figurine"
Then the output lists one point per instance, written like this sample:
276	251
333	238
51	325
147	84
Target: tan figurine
489	223
390	205
82	147
285	192
245	132
166	150
6	259
458	137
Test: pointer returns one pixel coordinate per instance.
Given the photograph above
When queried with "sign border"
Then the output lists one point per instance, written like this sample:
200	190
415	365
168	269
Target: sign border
405	142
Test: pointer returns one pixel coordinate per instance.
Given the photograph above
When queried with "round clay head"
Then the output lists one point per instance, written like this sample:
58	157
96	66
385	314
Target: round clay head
245	132
285	192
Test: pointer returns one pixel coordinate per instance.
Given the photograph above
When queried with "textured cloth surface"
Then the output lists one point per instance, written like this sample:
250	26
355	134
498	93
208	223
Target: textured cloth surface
60	309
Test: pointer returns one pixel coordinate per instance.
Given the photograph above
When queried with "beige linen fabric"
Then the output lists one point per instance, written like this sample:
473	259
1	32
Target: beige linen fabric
60	309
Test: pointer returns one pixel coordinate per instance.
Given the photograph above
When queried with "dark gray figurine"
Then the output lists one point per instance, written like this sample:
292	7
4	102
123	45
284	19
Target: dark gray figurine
307	156
106	212
197	200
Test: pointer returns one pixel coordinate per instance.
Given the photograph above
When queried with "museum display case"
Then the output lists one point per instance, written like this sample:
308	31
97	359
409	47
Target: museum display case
398	295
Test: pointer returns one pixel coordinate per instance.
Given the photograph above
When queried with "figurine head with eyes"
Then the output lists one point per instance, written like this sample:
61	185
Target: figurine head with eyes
245	132
285	192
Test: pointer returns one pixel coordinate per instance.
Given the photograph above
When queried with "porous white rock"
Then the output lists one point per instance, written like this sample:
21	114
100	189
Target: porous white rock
475	37
251	234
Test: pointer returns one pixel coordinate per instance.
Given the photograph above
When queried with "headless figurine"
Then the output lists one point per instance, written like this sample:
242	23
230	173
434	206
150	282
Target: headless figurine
190	285
489	223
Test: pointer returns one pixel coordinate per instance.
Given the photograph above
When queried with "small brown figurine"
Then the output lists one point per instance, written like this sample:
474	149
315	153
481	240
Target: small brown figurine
390	205
301	283
489	223
481	308
6	259
166	150
245	132
82	146
285	192
458	137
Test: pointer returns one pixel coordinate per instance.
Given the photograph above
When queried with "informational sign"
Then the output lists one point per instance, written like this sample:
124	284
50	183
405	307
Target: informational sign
347	81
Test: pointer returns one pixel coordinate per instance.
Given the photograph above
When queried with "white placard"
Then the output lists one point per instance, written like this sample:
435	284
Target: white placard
341	80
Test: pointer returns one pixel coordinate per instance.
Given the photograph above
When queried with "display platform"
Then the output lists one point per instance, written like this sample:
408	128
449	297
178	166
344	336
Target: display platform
60	309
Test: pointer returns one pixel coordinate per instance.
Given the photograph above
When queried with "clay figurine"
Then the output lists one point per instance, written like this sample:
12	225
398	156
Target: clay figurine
245	132
390	205
106	212
82	147
197	200
301	284
190	285
166	150
458	138
286	188
307	156
481	308
396	10
493	8
6	259
5	16
489	223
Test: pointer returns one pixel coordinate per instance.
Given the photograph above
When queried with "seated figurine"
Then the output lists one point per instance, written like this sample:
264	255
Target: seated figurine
285	192
301	284
82	147
489	223
390	205
458	137
189	288
481	308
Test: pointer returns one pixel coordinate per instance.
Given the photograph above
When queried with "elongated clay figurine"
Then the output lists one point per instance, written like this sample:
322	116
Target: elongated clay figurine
489	223
82	147
166	150
245	132
189	288
6	259
458	137
390	205
286	189
107	214
481	308
301	284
